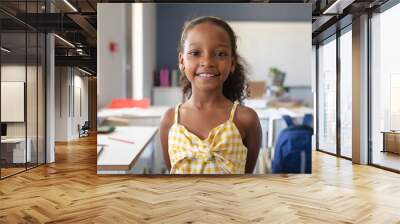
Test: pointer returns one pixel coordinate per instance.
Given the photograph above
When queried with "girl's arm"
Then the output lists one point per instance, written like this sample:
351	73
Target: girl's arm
166	122
253	137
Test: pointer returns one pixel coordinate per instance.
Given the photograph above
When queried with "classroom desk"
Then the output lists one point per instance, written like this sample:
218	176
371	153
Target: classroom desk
18	149
153	111
133	116
121	148
139	117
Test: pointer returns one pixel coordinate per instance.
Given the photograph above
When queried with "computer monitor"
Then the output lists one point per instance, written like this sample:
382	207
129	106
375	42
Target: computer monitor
3	129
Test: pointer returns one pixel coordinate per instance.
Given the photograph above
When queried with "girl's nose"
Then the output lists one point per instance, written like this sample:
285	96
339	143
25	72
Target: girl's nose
207	61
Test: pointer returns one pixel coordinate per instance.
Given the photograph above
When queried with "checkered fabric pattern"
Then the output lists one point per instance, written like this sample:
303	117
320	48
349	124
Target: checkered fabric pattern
222	152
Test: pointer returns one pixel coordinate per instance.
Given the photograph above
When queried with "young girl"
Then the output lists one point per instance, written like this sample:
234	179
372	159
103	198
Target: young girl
210	133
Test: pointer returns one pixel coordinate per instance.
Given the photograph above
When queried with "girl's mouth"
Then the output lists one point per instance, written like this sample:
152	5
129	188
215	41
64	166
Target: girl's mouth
207	75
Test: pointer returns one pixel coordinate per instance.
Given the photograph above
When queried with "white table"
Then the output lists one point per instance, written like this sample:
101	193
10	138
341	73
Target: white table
19	155
118	157
139	117
153	111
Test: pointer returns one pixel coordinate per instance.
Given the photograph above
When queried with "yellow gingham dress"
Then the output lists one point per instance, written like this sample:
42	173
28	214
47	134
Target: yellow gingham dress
222	152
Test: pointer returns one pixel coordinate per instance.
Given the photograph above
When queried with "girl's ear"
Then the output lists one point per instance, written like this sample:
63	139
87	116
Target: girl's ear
233	66
181	65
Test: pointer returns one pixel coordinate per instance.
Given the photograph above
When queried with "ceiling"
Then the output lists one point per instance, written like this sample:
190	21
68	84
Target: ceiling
76	22
77	26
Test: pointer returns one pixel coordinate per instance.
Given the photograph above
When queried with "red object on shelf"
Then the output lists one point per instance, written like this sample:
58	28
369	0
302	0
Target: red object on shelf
129	103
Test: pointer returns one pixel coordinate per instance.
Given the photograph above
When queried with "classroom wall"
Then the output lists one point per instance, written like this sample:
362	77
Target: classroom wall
159	33
112	66
171	17
284	45
126	73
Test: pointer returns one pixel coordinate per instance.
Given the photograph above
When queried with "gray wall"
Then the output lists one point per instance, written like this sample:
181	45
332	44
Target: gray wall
171	17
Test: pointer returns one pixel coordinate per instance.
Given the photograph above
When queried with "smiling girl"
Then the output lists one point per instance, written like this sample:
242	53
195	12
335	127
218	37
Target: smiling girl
211	132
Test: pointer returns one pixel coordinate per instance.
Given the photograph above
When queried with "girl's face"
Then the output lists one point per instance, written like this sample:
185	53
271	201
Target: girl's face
206	58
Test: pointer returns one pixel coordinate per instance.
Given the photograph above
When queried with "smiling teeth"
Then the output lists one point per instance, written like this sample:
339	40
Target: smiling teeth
206	75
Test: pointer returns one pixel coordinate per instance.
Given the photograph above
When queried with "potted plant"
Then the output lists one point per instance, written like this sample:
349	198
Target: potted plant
275	79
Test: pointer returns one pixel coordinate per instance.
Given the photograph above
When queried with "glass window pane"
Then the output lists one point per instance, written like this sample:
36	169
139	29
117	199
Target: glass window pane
386	89
327	96
13	86
23	85
346	94
41	98
31	101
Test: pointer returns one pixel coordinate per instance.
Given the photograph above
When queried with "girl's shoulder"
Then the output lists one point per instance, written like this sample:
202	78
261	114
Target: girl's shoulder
168	118
246	116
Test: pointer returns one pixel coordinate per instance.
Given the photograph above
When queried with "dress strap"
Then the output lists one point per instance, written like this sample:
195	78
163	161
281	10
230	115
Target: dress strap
176	117
232	115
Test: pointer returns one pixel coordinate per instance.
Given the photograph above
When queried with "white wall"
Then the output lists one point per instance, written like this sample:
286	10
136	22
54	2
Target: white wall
149	43
33	126
14	73
79	117
69	82
285	45
82	82
17	73
143	49
114	74
111	66
61	103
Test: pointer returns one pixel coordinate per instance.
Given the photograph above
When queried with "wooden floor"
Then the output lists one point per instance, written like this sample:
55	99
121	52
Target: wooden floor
69	191
10	171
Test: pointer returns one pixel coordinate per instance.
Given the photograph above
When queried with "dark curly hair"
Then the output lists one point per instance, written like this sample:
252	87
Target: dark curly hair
235	86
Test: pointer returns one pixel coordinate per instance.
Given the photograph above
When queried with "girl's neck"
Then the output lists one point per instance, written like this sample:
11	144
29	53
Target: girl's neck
206	99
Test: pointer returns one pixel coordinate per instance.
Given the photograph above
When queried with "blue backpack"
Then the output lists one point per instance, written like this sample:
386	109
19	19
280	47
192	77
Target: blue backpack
293	147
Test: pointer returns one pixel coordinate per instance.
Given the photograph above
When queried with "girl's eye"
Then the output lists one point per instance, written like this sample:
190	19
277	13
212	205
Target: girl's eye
221	54
194	53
